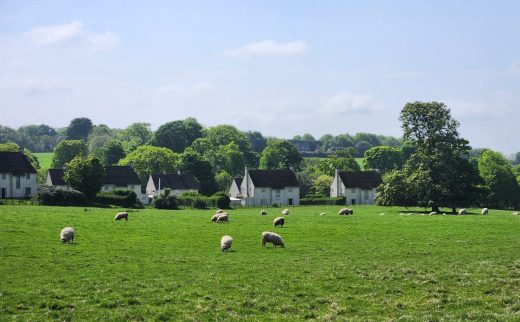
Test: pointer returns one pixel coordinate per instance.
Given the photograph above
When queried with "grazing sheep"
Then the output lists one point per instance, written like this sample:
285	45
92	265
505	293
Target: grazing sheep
121	215
285	212
275	239
279	221
516	213
223	218
462	211
263	213
215	217
433	213
322	214
67	235
345	212
225	242
220	211
484	211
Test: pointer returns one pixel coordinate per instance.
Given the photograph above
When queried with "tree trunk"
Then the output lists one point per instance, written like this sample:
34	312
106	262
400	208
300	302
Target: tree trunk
435	208
454	210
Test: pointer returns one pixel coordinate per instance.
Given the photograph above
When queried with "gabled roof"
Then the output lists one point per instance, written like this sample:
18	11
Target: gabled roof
238	181
120	176
15	163
56	176
361	179
276	179
184	181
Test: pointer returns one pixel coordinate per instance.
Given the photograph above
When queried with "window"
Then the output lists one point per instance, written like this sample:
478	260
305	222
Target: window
28	176
28	191
366	194
277	194
18	182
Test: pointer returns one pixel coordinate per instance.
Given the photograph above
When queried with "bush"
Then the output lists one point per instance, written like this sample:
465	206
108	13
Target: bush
51	197
120	197
275	205
222	200
199	203
323	201
165	200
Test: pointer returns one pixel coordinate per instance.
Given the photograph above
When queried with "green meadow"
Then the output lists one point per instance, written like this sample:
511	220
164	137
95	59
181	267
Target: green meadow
379	264
45	159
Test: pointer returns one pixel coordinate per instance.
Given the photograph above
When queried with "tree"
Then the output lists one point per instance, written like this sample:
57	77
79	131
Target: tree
8	135
383	158
280	154
99	136
258	141
68	150
308	137
194	163
321	185
85	174
517	158
362	147
148	159
504	191
38	138
135	135
112	152
79	129
438	169
223	181
222	135
178	135
329	165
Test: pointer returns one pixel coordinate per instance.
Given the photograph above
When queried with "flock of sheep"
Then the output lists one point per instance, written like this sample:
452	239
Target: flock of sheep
67	233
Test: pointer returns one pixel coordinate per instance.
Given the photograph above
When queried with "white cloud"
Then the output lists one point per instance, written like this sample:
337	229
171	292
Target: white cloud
73	32
268	48
347	102
514	69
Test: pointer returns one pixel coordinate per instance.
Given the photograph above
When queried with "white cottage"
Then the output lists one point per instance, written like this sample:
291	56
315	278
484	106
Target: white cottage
359	188
17	176
234	190
55	179
177	183
267	187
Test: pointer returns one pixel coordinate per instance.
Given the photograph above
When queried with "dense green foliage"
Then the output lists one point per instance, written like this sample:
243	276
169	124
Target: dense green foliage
195	164
50	197
79	129
151	159
383	158
177	135
504	189
68	150
118	197
165	200
85	174
167	265
280	154
112	152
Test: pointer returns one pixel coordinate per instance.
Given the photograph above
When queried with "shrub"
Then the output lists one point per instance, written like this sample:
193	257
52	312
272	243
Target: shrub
199	203
222	200
51	197
119	197
165	200
275	205
322	201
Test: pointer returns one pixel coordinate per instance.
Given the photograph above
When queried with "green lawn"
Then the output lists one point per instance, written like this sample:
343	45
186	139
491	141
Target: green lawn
379	264
45	159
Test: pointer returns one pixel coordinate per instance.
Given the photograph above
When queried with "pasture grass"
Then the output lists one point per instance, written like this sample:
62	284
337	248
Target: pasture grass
45	159
379	264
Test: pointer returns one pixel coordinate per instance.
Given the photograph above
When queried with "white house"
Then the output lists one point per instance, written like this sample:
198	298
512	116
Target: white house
177	183
17	176
359	188
234	190
267	187
55	179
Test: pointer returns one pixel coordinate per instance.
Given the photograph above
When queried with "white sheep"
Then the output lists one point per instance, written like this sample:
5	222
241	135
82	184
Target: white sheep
121	215
462	211
322	214
67	235
263	213
215	217
433	213
270	237
484	211
223	218
278	221
516	213
220	211
285	212
345	212
225	242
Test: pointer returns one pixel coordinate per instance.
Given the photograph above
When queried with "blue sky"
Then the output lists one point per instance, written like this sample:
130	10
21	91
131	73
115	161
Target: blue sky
279	67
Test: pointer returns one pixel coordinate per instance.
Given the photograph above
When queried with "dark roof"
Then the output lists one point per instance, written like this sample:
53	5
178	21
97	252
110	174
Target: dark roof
238	181
15	163
361	179
277	179
57	177
120	176
184	181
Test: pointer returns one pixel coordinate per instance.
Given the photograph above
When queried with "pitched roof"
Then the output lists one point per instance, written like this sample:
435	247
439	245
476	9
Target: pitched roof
184	181
15	163
57	177
120	176
361	179
238	181
277	179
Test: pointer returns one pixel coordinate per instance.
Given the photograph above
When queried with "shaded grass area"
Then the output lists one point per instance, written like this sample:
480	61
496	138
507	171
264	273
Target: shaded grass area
160	265
45	159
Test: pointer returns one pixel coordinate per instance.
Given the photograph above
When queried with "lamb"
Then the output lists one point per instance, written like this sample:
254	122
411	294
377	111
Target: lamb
223	218
285	212
122	215
345	212
322	214
279	221
275	239
516	213
263	213
67	235
484	211
220	211
462	211
215	217
225	242
433	213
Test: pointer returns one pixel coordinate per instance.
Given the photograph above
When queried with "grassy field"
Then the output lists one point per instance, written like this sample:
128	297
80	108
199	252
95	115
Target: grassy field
379	264
45	159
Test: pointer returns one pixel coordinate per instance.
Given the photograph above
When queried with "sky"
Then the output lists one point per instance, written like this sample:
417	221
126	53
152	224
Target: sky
279	67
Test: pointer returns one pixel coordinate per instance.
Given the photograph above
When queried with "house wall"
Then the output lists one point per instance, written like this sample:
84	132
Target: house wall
337	187
268	196
234	190
361	196
8	182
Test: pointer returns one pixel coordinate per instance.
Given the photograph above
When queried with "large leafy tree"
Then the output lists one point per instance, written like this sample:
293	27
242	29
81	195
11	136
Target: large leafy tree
38	138
345	163
151	159
258	141
8	135
504	191
79	129
68	150
135	135
85	174
195	164
112	152
280	154
438	169
383	158
178	135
